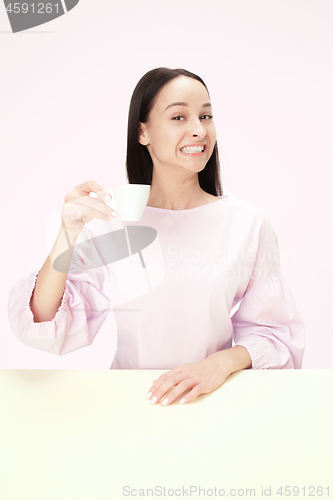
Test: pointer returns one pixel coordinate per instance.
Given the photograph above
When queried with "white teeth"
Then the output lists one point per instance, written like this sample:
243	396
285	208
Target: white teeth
193	149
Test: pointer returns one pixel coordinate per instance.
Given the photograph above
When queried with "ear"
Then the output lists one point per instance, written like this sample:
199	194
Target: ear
143	134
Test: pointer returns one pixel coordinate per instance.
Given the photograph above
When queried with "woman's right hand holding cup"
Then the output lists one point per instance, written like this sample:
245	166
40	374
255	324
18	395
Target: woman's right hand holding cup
80	208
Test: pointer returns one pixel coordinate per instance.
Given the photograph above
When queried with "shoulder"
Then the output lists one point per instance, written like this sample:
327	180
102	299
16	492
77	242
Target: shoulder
251	219
244	208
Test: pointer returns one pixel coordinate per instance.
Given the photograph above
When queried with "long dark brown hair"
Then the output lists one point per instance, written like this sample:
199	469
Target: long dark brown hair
139	165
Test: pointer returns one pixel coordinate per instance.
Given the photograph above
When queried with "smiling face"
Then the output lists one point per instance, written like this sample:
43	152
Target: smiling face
181	116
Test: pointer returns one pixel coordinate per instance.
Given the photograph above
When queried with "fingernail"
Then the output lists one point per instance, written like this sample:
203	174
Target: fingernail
165	401
107	198
148	395
153	401
182	401
114	214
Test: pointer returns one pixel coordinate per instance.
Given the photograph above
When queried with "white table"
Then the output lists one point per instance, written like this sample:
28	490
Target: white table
79	435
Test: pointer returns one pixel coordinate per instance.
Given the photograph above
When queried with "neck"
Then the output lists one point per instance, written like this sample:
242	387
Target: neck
175	191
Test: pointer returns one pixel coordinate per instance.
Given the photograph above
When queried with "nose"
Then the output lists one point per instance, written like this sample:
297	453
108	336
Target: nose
197	129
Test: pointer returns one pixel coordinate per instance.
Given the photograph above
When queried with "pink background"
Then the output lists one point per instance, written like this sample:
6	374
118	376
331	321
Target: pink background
65	89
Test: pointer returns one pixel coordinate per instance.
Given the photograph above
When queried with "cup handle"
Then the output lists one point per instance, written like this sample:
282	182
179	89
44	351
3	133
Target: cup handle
113	203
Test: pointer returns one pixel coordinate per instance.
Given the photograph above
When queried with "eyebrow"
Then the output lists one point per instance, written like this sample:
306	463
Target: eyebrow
208	104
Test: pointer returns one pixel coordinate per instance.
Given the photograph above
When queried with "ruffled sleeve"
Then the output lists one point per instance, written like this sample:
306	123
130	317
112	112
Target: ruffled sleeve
82	311
267	322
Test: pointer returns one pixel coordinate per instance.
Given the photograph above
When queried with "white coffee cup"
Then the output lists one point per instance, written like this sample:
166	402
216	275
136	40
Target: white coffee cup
129	200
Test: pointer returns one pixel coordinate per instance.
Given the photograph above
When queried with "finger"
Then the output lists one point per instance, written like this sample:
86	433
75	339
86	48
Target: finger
194	393
160	380
177	370
91	213
158	392
177	391
94	204
76	212
92	186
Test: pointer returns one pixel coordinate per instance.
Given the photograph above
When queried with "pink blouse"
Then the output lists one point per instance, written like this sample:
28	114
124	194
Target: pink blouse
173	281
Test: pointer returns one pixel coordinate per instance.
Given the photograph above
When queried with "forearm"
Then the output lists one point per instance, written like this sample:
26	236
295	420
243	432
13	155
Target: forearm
50	284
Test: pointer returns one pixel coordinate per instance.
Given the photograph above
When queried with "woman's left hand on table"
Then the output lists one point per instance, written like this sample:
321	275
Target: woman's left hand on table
201	377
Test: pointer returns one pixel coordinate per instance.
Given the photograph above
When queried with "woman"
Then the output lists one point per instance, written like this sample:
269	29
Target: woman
217	251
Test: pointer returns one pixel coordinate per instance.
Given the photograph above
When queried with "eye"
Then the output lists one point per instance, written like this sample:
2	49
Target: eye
207	117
